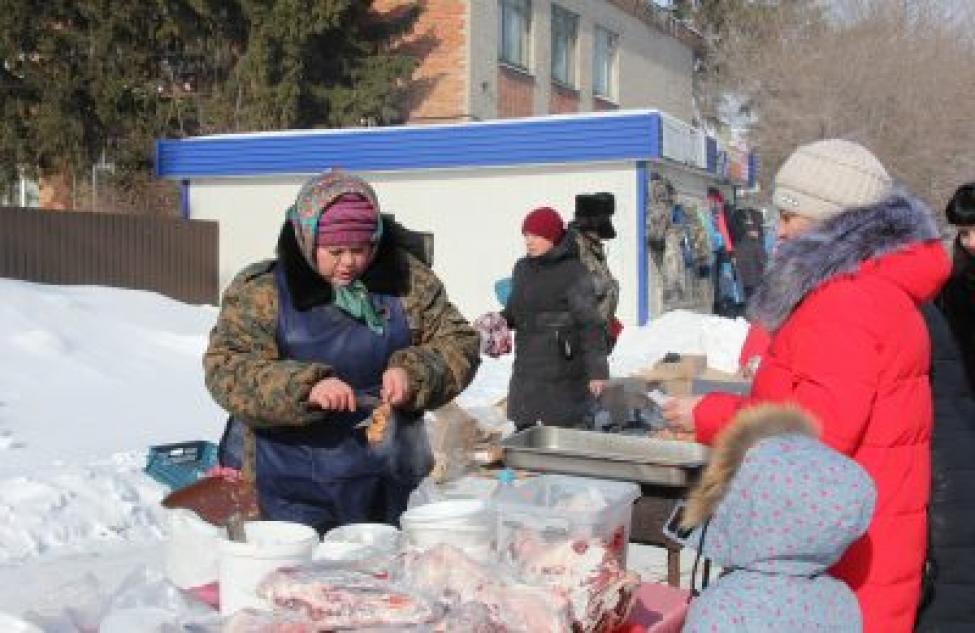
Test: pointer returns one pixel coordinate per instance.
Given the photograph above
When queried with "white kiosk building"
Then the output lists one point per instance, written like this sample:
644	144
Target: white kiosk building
469	184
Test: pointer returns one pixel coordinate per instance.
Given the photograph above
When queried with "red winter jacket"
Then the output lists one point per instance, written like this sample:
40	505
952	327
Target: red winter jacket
853	349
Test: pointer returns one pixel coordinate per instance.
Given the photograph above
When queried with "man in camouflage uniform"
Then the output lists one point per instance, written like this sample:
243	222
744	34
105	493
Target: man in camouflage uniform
285	335
592	225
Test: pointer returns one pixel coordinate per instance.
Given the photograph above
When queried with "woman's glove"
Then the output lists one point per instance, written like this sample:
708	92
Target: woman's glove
495	335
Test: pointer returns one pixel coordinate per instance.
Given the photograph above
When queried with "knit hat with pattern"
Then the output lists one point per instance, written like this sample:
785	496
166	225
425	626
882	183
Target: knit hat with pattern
317	195
350	220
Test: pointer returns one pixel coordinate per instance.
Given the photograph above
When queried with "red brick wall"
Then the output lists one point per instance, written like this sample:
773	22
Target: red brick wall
601	105
516	92
438	91
563	100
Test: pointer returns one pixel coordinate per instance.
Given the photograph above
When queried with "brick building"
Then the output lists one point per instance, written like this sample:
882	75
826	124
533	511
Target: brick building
488	59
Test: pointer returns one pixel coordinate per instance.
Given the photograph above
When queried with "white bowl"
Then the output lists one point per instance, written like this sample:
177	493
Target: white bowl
339	551
375	535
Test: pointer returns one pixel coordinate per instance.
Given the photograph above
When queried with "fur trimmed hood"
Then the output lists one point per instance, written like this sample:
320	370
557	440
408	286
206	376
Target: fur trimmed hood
775	499
837	247
749	428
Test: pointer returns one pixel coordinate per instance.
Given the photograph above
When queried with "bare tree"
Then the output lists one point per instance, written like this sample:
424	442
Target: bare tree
896	75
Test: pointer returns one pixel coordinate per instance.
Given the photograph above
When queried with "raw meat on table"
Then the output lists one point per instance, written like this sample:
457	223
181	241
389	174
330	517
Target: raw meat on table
345	599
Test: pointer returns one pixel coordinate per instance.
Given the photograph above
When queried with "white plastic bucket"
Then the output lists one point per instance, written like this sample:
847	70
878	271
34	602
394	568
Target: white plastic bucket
464	523
192	549
270	545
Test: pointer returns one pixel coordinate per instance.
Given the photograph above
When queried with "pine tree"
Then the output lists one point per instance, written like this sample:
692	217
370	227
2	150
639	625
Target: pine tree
325	63
81	79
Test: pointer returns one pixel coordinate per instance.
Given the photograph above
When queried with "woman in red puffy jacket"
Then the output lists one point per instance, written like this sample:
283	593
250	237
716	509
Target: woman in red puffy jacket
840	303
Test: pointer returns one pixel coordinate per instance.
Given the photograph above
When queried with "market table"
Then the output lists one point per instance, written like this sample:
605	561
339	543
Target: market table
650	513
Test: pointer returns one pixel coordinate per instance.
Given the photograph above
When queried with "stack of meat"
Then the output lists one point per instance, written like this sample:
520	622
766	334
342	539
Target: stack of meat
551	588
563	585
457	582
586	571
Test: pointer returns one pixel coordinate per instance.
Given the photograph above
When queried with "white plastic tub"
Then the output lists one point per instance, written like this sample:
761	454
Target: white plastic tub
192	549
467	524
270	545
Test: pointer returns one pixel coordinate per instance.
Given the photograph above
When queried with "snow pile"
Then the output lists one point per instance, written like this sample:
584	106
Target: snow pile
91	377
682	332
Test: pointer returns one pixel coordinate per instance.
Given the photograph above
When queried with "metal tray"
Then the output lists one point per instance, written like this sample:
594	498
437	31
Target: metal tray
604	455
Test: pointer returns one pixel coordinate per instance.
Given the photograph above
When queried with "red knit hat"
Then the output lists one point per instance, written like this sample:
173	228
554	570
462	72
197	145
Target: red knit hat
349	220
544	222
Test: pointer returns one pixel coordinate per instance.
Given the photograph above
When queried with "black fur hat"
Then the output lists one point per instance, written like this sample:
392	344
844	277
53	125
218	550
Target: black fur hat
961	208
593	213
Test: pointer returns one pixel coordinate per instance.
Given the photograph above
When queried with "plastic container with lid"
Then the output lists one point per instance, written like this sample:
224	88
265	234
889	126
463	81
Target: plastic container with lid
467	524
562	507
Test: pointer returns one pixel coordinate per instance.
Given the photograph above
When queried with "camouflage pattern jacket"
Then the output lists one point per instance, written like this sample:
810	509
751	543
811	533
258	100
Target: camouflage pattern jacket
593	257
247	377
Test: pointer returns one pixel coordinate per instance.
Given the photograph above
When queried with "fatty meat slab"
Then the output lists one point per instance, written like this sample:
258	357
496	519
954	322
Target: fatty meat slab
337	599
447	574
587	570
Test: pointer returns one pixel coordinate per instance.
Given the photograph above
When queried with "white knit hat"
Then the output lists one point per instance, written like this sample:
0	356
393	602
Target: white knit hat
825	178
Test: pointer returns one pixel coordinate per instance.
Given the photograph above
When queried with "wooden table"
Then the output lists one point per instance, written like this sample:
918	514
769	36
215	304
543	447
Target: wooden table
650	512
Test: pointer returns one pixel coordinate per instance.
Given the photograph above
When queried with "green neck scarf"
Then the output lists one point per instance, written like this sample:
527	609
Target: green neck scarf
353	299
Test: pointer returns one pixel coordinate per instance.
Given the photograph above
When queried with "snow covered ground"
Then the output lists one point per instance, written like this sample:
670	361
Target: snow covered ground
91	376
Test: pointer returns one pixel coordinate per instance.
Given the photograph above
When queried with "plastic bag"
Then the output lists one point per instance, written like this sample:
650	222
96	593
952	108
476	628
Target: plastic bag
144	599
340	597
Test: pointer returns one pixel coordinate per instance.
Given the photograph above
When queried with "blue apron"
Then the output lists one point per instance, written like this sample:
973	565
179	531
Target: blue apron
326	474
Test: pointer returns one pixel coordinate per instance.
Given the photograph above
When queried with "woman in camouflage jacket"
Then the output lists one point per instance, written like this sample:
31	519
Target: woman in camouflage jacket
306	342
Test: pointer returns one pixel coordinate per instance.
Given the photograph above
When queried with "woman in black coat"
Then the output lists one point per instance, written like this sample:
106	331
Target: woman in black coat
957	300
560	350
948	590
948	585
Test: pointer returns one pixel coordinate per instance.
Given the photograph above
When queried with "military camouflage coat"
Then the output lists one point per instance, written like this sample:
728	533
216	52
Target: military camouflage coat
593	257
246	375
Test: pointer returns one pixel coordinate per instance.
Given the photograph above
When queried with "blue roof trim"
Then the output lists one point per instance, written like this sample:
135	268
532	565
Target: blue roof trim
543	140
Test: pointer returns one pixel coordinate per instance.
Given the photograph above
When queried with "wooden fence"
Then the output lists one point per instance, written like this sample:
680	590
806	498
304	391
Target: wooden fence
175	257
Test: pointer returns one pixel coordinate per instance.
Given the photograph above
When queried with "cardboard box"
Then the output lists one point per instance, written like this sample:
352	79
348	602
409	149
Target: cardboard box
687	367
691	376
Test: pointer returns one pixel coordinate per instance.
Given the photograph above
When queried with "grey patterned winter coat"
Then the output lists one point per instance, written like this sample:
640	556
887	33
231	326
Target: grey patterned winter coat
776	508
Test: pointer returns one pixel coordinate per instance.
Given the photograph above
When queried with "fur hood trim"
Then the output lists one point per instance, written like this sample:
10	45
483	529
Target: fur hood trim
837	247
747	429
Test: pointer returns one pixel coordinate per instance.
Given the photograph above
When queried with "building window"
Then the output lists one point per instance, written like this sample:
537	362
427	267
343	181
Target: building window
565	26
605	53
515	30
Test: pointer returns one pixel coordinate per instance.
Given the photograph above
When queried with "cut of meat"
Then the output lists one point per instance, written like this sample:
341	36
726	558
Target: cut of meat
377	427
448	574
345	599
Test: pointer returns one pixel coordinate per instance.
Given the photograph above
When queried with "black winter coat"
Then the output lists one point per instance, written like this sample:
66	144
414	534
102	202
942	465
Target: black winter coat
948	593
957	302
559	339
749	235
